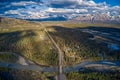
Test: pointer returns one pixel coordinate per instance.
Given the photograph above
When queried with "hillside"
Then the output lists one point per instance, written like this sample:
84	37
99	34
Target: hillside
27	39
78	41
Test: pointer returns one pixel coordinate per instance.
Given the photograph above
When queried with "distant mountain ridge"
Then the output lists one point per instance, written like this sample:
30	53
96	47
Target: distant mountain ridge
94	18
104	18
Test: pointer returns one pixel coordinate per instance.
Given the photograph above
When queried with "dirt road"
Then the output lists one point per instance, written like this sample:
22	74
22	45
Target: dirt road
60	76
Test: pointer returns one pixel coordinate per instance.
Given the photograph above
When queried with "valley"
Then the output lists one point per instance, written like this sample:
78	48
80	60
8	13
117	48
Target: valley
44	48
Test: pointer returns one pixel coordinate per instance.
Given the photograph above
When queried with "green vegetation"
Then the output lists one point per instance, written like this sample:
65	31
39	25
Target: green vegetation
93	76
15	23
30	42
8	57
76	45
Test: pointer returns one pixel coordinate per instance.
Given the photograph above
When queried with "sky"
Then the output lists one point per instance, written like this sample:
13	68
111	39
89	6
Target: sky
58	9
110	2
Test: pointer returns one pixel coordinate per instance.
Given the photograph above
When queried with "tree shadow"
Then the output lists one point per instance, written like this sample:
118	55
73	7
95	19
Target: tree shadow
110	30
14	74
80	41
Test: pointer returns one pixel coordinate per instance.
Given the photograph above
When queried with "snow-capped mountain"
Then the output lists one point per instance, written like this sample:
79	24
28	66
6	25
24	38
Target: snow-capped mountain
93	18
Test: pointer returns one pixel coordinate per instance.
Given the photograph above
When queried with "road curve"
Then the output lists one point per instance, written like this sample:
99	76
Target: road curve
23	63
96	65
32	67
103	65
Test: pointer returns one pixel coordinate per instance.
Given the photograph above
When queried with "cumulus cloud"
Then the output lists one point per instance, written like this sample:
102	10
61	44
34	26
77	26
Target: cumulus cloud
65	11
25	3
22	3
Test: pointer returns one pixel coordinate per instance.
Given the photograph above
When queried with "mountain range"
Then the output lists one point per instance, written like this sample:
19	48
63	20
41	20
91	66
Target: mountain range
95	18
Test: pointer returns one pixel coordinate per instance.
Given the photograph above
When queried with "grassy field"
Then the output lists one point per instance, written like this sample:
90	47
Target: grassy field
27	39
8	58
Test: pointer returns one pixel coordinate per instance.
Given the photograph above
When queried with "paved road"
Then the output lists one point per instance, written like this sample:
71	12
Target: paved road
25	64
60	55
96	65
28	67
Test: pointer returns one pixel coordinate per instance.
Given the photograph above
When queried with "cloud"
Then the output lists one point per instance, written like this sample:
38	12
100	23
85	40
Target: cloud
71	3
22	3
25	3
31	9
65	11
